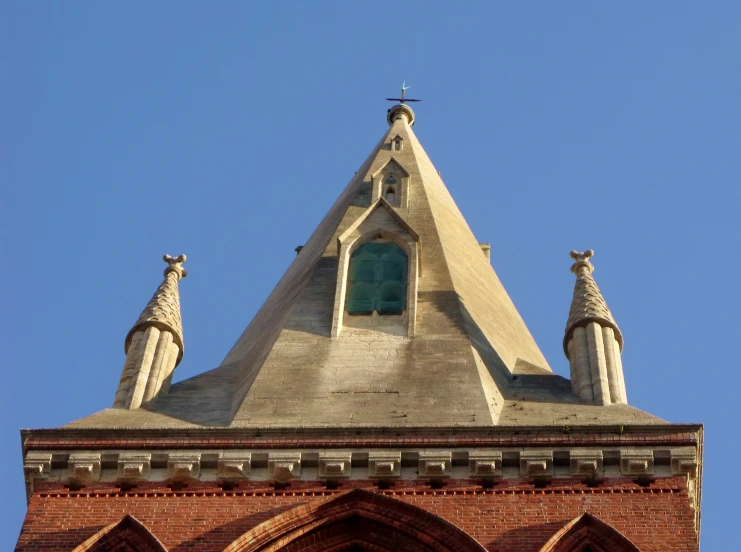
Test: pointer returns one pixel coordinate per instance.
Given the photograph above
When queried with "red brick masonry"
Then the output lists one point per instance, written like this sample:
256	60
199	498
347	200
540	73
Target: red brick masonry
512	516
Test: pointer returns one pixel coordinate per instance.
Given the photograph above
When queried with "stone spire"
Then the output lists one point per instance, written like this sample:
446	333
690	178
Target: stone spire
458	354
154	345
593	342
305	360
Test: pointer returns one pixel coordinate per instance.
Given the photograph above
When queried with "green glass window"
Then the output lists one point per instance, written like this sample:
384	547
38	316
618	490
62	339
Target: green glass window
377	280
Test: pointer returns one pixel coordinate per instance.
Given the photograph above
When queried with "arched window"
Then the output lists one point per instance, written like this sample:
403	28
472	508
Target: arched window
390	187
587	533
356	520
377	279
127	534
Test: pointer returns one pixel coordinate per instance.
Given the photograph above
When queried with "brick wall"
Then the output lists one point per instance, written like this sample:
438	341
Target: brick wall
511	516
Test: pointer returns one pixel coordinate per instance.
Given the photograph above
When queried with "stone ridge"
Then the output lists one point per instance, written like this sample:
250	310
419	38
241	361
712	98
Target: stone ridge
588	305
163	310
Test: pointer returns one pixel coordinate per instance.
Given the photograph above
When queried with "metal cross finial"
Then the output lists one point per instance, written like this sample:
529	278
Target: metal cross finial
403	98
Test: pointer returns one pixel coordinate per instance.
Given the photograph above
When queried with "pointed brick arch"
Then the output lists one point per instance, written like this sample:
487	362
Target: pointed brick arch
587	532
360	519
127	535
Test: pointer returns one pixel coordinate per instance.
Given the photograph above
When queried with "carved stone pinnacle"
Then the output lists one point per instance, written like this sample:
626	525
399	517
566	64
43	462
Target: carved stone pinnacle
175	265
582	260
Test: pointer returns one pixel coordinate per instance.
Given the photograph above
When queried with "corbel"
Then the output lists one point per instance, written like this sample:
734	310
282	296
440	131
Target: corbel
183	465
334	465
536	463
284	466
384	464
234	464
586	462
134	465
636	462
485	463
37	464
434	464
84	466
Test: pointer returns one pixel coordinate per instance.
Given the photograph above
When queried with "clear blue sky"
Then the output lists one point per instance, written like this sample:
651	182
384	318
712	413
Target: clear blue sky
225	130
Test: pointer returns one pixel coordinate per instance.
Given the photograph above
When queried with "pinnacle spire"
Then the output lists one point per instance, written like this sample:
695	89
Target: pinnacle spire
587	304
593	341
163	309
154	345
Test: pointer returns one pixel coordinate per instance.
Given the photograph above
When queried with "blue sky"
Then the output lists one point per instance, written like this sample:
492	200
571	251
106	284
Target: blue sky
225	130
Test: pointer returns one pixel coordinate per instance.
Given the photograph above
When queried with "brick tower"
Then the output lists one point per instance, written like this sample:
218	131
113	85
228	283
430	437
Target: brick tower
387	396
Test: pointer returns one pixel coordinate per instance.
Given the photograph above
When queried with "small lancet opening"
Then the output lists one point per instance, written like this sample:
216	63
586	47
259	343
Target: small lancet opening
390	186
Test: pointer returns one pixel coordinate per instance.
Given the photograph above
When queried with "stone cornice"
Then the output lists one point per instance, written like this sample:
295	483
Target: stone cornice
537	456
282	438
81	467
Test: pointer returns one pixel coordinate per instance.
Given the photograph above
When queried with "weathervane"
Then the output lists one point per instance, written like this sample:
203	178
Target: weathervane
403	98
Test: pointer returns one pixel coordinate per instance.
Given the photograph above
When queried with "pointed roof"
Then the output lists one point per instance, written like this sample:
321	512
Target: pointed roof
470	360
468	332
163	309
587	304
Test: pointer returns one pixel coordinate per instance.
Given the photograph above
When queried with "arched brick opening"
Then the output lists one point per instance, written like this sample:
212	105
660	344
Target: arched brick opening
356	520
127	535
586	533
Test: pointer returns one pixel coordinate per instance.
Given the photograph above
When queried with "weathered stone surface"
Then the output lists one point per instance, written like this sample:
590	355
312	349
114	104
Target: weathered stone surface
84	466
461	357
586	462
536	463
384	464
134	465
37	464
636	462
334	465
485	463
234	464
434	464
184	465
284	466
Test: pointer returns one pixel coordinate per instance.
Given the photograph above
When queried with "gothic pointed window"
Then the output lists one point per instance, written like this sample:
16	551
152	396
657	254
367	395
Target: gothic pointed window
378	279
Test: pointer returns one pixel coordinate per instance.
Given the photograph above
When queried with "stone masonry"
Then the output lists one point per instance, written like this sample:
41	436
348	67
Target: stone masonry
438	426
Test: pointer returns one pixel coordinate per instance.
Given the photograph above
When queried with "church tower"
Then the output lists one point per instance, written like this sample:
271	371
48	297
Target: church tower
387	396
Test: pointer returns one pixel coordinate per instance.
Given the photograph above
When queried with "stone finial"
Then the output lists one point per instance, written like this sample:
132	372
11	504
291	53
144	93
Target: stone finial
175	265
400	111
587	304
592	341
154	344
163	310
581	260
